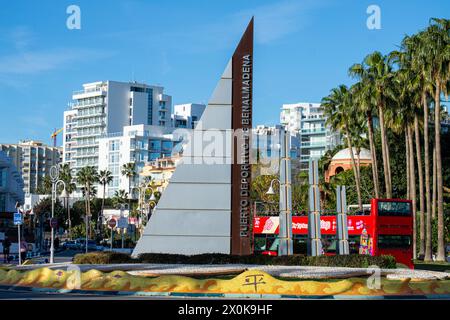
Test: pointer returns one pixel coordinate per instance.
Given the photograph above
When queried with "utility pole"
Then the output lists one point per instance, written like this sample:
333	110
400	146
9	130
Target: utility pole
342	227
314	234
285	235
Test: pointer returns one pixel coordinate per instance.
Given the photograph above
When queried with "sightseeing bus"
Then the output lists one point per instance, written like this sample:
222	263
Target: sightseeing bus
388	225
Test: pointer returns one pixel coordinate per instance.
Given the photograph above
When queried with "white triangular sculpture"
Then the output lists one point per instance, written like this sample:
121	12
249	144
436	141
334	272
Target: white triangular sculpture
193	215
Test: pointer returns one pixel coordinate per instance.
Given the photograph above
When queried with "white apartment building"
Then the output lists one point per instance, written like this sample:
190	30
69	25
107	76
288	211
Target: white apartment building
33	160
186	115
307	121
139	144
106	107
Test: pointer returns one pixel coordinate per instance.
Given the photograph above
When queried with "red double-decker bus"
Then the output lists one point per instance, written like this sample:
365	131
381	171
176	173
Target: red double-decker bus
388	223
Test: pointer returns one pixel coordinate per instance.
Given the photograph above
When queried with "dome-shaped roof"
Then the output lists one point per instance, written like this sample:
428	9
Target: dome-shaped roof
345	154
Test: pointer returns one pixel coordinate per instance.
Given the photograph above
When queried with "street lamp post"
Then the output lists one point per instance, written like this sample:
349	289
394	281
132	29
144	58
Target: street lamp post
54	176
142	189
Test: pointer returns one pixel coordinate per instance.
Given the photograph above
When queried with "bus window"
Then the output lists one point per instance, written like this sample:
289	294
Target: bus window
388	208
329	244
353	244
300	244
260	242
394	241
274	245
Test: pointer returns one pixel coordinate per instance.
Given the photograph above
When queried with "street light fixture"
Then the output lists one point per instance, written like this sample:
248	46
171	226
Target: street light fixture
271	191
54	176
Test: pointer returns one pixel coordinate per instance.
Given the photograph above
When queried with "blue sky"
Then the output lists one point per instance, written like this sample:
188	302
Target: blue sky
302	49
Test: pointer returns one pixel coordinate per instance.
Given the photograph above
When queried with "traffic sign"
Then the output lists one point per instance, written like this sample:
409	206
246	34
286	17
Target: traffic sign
112	223
123	223
54	223
17	218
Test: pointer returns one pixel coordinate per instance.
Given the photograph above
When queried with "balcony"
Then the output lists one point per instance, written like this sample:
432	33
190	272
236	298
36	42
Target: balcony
313	119
313	144
96	134
93	144
92	124
313	131
87	105
87	155
84	116
88	93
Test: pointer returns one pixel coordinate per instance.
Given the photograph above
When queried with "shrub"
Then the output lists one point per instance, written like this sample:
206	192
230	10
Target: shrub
102	258
352	261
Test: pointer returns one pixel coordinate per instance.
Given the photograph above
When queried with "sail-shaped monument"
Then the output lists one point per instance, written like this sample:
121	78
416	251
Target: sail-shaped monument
205	208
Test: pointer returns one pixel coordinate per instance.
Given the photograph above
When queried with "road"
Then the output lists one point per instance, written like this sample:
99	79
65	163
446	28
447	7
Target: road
30	295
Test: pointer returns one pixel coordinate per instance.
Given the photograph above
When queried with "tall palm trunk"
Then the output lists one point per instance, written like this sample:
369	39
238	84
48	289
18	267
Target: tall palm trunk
355	170
358	163
384	151
408	174
439	184
102	213
428	242
412	188
433	208
374	155
421	193
68	216
129	196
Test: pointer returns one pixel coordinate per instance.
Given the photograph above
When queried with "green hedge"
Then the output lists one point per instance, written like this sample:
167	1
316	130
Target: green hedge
102	258
354	261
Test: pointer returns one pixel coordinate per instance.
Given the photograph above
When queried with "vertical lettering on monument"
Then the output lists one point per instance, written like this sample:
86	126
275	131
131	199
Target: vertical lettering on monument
242	91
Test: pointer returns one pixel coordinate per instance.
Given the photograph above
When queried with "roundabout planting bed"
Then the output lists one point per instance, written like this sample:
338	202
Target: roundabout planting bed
248	283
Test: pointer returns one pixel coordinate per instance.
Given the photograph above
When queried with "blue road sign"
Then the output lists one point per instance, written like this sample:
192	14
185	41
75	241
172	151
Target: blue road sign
17	218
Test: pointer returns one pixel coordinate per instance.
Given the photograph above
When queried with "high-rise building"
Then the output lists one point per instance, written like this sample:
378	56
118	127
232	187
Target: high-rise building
266	142
11	184
186	115
307	120
139	144
106	107
33	160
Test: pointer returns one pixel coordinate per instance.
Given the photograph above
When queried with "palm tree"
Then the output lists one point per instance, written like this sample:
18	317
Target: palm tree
104	177
364	98
129	170
66	176
337	108
376	71
45	187
120	197
414	48
86	177
403	120
437	51
409	84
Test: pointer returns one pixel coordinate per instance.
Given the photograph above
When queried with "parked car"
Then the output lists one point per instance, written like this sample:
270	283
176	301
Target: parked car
92	245
70	245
